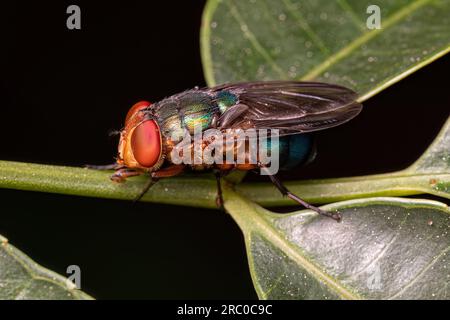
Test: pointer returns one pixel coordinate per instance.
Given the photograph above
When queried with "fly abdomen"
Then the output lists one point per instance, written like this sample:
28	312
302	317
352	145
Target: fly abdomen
295	150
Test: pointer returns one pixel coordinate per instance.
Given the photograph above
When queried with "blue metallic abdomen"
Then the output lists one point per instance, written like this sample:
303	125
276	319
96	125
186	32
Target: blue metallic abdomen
295	150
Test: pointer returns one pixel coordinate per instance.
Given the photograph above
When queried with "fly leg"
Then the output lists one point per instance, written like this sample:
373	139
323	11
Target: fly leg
219	197
123	173
112	166
284	191
150	182
155	176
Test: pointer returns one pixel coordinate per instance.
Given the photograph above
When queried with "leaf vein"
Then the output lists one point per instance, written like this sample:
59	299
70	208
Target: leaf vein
365	37
273	286
377	257
306	27
254	41
353	16
420	274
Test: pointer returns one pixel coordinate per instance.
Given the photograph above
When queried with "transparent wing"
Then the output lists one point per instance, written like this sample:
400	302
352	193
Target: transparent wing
292	107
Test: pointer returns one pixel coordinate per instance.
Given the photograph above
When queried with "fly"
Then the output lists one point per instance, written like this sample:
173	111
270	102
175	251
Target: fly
294	109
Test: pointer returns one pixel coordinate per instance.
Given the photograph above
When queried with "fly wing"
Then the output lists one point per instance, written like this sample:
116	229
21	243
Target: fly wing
290	106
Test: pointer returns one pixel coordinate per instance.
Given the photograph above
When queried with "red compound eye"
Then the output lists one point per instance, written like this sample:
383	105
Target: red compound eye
146	143
135	108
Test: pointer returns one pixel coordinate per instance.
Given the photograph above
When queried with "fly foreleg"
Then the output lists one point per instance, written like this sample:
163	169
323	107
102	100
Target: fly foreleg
123	173
155	176
112	166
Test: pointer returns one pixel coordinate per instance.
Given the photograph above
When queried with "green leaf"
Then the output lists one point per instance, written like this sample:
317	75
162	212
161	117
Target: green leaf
22	278
322	40
384	248
435	162
429	174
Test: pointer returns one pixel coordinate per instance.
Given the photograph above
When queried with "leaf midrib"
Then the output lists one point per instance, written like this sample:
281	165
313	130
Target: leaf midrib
335	57
363	38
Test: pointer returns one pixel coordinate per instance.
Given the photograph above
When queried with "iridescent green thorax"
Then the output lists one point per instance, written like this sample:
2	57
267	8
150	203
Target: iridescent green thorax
186	111
190	109
172	127
225	99
199	115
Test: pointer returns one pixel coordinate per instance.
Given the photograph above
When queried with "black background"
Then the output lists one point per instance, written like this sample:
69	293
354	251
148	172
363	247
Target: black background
62	92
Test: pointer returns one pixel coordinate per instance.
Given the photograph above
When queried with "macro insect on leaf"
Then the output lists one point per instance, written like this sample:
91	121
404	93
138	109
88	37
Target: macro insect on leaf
153	131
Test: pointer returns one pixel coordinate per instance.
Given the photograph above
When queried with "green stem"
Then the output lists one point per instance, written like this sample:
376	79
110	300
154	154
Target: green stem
200	191
188	190
402	183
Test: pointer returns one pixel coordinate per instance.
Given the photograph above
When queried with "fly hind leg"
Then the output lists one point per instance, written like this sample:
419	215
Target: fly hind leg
284	191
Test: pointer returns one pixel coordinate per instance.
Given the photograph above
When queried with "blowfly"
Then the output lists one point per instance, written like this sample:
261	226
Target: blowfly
152	132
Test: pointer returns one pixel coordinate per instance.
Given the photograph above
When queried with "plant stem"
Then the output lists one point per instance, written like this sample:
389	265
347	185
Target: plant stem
188	190
200	191
403	183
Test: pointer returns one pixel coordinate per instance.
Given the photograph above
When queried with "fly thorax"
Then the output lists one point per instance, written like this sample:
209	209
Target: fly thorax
225	99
